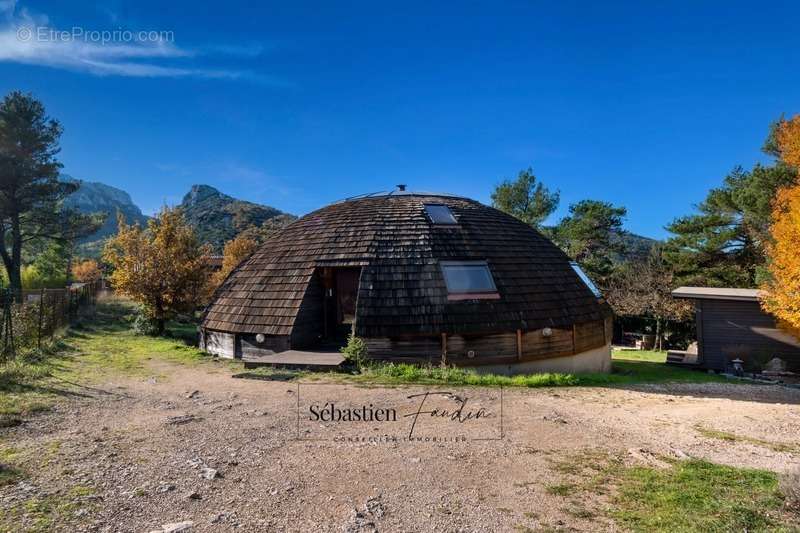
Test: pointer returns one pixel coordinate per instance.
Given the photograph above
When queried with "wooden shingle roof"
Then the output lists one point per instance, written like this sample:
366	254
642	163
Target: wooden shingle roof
402	290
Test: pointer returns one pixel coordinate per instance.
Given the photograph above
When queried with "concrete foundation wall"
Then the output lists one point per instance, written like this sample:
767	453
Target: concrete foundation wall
594	360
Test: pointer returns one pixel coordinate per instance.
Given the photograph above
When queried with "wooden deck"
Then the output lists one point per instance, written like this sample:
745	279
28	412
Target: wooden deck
312	359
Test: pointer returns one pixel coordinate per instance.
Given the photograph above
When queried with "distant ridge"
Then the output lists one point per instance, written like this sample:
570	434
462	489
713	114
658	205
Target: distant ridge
215	217
218	218
96	197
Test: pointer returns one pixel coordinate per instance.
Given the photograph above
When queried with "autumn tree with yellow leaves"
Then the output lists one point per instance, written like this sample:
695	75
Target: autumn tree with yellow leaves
87	271
783	288
162	267
236	251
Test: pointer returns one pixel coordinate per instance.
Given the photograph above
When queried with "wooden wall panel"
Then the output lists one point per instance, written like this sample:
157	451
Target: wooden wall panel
220	343
249	347
536	346
732	329
406	349
589	335
484	347
309	324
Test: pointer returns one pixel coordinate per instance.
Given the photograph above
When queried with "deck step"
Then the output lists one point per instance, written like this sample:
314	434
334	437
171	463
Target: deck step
319	360
681	358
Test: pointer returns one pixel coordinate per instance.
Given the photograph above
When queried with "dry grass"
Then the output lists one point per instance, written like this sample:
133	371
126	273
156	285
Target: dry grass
790	487
733	437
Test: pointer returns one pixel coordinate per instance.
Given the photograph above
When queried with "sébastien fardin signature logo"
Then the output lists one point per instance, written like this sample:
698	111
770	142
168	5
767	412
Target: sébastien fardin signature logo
449	407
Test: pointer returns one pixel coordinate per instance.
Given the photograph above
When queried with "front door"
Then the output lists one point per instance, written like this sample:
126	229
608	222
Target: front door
346	294
341	291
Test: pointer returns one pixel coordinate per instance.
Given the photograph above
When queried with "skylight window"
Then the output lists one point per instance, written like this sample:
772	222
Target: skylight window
588	282
468	279
440	214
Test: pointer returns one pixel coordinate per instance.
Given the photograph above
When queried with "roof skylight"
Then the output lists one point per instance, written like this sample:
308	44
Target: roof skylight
440	214
468	277
586	280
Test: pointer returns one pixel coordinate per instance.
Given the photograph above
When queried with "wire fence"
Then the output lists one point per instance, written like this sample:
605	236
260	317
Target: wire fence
32	318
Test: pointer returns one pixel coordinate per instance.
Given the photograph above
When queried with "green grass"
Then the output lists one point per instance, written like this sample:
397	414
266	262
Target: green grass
44	513
684	496
88	352
627	368
650	356
699	496
105	344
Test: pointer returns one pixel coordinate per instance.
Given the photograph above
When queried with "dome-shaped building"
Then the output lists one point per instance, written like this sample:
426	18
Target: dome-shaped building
420	277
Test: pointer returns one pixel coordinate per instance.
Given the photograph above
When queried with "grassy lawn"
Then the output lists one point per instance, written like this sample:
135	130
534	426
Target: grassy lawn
91	350
684	496
700	496
650	356
105	345
628	367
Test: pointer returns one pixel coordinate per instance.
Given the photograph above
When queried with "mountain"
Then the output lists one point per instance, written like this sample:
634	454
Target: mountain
218	218
95	197
636	246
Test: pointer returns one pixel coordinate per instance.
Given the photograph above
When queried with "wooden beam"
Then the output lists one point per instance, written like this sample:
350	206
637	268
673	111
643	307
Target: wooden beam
519	344
574	335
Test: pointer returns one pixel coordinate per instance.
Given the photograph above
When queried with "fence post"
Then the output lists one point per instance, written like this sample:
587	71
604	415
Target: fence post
7	328
41	318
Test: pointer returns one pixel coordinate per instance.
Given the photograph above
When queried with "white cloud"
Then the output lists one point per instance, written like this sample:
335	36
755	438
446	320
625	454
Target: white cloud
26	38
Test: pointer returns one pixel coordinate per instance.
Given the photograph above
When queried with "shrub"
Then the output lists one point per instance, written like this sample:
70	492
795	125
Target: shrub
355	351
143	323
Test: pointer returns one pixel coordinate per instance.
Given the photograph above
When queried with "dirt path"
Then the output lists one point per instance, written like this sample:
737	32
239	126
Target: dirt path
136	450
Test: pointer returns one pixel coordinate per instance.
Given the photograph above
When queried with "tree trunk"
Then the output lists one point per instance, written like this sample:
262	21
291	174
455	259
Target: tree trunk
14	273
160	321
658	334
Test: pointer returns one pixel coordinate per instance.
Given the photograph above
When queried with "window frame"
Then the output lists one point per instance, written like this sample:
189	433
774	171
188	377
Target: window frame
437	223
584	277
482	294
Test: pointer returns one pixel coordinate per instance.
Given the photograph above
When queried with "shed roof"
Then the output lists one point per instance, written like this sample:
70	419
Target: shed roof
717	293
402	289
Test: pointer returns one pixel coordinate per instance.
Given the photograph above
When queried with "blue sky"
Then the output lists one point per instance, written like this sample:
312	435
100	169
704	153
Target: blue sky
299	104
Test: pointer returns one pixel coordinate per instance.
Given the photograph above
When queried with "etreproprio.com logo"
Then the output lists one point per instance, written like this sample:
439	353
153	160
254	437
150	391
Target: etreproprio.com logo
79	34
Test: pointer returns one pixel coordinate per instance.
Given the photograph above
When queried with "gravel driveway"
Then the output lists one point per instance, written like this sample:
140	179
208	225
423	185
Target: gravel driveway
198	444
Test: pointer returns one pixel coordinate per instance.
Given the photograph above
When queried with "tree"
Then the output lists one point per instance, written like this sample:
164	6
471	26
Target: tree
267	229
724	244
30	191
588	235
87	271
163	267
236	251
525	198
783	286
787	133
644	288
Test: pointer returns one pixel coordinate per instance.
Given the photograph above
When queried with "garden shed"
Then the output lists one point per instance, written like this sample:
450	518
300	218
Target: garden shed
732	325
420	277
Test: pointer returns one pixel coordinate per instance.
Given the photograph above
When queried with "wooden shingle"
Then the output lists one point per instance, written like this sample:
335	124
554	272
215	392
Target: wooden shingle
402	289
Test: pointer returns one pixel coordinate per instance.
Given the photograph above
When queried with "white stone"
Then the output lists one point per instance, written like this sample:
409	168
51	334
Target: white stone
177	527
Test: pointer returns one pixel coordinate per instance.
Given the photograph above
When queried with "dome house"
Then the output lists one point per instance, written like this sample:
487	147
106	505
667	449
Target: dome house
420	277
